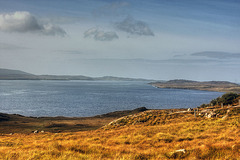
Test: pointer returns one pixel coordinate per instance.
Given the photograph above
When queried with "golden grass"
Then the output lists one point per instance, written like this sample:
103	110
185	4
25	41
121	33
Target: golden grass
148	135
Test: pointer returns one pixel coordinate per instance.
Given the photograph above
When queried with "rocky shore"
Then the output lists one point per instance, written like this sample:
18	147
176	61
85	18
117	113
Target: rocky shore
14	123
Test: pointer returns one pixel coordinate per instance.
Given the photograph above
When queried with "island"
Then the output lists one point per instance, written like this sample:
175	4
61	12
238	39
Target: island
218	86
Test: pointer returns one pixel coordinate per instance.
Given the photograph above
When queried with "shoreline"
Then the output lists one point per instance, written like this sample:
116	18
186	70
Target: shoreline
194	89
198	133
15	123
215	86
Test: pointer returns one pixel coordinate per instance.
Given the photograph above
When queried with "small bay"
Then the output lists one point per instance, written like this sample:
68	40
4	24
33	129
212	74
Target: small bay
89	98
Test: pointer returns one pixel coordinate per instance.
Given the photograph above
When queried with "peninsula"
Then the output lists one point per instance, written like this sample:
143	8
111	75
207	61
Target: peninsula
218	86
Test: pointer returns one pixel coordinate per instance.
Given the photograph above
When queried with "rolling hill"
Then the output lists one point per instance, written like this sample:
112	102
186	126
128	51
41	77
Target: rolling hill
8	74
219	86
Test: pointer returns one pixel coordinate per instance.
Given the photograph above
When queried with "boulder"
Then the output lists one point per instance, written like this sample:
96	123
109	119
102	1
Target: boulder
211	114
180	153
208	113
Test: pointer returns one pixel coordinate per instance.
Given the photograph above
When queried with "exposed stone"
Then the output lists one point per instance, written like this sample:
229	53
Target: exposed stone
208	113
205	111
236	147
36	131
181	150
225	117
181	153
211	114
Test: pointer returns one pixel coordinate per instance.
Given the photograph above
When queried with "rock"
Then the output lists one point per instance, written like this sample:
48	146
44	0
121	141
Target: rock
36	131
10	134
205	110
225	117
180	150
209	113
181	153
42	131
236	147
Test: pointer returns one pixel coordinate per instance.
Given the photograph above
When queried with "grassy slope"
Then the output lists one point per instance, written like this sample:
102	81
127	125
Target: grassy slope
148	135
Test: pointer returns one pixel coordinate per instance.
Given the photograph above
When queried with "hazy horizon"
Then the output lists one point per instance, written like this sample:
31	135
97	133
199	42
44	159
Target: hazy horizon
163	40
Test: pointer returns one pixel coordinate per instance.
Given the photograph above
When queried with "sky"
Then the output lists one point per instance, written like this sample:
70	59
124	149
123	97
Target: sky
154	39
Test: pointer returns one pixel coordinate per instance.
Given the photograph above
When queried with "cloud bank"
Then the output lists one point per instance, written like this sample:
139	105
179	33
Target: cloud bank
135	27
23	22
99	35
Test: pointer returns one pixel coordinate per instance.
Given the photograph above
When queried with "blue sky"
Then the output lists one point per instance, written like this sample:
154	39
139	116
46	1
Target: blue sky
156	39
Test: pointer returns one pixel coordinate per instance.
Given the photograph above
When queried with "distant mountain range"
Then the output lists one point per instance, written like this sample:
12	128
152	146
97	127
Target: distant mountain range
8	74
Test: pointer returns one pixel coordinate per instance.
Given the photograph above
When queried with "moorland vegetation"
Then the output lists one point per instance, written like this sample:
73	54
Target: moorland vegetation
151	134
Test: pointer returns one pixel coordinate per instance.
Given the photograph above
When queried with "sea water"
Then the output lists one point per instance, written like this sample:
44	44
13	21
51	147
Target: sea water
89	98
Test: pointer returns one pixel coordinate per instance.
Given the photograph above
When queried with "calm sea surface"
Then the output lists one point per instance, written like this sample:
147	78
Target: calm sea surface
88	98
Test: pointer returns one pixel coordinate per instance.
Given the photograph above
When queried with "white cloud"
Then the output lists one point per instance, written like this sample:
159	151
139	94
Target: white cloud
22	21
135	27
100	35
90	32
105	36
50	29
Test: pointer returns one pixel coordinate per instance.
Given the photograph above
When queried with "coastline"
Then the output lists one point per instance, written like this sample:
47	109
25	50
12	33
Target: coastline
216	86
15	123
198	133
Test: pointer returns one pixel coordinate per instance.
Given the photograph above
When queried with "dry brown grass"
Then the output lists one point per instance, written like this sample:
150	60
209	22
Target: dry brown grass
147	135
12	123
